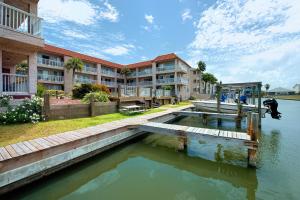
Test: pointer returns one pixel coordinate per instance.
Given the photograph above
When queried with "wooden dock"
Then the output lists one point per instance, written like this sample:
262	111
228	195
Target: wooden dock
206	114
178	130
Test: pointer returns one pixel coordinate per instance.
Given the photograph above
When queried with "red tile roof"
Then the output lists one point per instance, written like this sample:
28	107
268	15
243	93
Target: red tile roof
65	52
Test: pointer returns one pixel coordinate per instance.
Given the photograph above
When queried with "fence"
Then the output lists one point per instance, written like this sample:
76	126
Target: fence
71	111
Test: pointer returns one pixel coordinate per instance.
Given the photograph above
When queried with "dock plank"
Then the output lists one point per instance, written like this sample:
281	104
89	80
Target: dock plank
12	152
17	149
4	153
36	145
30	146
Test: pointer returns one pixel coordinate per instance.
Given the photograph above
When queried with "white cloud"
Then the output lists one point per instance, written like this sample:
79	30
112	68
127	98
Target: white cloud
119	50
149	18
81	12
75	34
251	39
110	12
186	15
78	11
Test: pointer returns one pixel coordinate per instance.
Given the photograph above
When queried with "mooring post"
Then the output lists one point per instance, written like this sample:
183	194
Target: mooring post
204	119
46	109
254	131
249	123
219	91
259	104
182	138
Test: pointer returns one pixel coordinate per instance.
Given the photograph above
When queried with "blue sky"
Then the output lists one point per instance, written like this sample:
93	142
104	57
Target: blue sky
240	40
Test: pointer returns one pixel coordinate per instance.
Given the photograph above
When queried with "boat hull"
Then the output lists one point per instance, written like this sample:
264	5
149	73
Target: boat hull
230	108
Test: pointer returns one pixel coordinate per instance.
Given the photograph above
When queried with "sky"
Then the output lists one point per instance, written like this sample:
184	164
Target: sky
239	40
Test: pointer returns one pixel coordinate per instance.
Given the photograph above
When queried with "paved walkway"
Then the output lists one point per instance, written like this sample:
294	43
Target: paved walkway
27	147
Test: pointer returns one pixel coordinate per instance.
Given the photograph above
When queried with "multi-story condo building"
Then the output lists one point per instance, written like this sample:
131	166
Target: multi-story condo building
21	42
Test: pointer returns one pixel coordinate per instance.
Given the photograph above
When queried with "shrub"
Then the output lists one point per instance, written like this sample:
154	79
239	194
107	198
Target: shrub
30	110
53	92
96	96
167	87
100	87
79	91
5	100
40	90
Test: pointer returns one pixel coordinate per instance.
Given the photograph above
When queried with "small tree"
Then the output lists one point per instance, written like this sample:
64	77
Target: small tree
125	71
74	64
22	68
201	67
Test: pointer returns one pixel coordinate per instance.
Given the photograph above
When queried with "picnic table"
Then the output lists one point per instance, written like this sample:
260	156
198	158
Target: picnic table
132	109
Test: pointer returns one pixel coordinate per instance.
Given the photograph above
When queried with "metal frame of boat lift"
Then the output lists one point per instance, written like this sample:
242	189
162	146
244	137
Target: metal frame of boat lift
238	87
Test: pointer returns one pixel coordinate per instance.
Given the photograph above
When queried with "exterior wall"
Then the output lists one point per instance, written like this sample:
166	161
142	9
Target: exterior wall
1	81
32	73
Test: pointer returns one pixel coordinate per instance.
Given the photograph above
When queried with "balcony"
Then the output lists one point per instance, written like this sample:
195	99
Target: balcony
145	73
109	83
85	80
145	83
14	83
131	84
50	78
20	28
108	73
132	74
50	63
166	81
181	80
89	69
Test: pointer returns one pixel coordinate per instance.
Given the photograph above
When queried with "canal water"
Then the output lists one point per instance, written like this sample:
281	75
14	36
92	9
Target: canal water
152	168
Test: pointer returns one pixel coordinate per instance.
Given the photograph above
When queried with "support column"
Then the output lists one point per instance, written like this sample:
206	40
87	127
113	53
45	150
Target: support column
175	80
1	81
68	78
116	79
137	77
153	78
99	73
32	73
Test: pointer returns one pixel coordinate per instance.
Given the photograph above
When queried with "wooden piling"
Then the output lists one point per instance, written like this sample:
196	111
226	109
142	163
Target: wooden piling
182	138
204	119
219	91
254	131
46	109
259	104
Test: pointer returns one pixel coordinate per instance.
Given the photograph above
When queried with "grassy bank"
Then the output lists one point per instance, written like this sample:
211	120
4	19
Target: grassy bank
289	97
10	134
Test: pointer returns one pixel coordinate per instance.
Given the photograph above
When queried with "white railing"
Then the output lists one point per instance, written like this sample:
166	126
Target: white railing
128	90
19	20
108	72
51	78
14	83
81	80
145	72
165	81
143	83
132	84
162	93
89	69
132	74
145	92
109	83
49	62
182	80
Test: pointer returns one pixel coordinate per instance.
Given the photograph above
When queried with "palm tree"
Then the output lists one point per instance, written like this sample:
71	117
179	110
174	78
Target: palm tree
201	67
125	71
205	77
74	64
267	86
213	80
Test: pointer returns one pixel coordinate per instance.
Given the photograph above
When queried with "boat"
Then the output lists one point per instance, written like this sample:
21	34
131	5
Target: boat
230	108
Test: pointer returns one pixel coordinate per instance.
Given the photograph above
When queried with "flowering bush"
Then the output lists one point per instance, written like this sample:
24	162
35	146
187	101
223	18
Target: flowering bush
30	110
4	100
96	97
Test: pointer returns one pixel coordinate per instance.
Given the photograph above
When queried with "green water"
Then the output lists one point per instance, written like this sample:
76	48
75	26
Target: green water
152	168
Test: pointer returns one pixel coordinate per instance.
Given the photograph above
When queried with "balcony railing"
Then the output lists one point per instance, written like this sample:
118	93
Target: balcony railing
165	81
82	80
50	78
132	84
144	83
49	62
19	20
163	93
145	72
182	80
89	69
132	74
145	92
108	72
14	83
109	83
165	68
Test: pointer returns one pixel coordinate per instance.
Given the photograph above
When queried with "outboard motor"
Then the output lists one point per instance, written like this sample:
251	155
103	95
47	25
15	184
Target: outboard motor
272	108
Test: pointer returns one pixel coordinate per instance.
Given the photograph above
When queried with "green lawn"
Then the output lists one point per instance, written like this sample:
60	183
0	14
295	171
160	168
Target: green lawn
10	134
289	97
